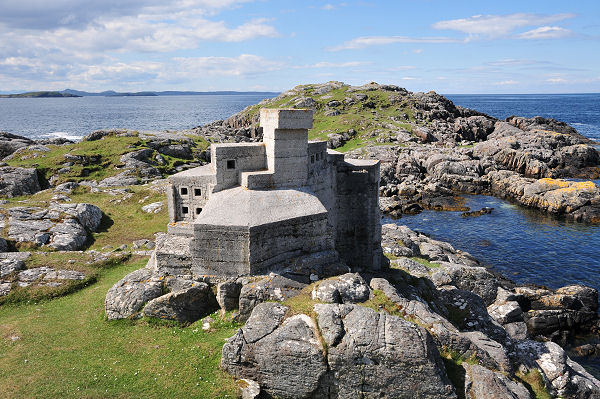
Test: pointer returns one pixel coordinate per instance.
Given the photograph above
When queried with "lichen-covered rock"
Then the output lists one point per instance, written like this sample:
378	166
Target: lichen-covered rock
475	279
10	143
507	312
228	294
129	294
347	288
287	360
61	226
381	355
481	383
8	266
185	306
18	181
565	377
271	288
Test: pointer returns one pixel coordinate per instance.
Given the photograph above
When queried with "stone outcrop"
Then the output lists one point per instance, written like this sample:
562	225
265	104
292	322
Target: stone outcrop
10	143
185	305
131	293
60	226
18	181
367	352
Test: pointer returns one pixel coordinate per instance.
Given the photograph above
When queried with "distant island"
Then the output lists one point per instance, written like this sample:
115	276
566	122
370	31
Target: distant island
112	93
39	94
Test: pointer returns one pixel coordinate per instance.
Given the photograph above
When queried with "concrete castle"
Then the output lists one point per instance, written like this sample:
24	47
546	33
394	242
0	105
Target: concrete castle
286	204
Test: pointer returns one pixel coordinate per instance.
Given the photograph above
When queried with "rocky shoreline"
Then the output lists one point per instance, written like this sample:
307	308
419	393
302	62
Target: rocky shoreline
434	323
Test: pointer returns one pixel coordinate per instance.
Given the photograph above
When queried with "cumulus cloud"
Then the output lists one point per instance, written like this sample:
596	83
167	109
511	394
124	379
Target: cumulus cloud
498	25
506	83
367	41
546	32
326	64
243	65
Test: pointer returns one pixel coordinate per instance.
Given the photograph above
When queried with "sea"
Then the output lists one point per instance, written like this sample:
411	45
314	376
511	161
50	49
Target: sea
523	244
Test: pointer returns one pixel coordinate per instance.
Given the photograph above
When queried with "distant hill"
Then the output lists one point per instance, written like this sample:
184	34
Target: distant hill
39	94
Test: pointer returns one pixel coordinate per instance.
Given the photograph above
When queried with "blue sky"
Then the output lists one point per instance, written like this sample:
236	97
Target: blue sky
525	46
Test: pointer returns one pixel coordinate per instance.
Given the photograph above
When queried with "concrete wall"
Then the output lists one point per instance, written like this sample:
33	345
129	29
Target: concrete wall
220	250
245	157
274	245
188	193
358	228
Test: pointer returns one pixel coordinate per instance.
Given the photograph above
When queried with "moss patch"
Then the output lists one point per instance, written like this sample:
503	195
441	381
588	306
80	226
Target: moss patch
534	382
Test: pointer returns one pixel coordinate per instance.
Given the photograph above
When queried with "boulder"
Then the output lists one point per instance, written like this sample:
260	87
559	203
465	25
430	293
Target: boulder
18	181
129	294
285	358
475	279
10	143
8	266
348	288
271	288
228	294
185	306
120	180
3	245
482	383
507	312
379	355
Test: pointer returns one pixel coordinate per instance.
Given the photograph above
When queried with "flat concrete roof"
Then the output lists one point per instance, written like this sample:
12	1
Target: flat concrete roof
242	207
205	170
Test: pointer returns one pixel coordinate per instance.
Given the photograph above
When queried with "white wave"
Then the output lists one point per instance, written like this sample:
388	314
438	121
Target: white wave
64	135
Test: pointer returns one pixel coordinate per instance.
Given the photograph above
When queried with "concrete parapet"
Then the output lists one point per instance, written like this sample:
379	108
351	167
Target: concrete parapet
286	118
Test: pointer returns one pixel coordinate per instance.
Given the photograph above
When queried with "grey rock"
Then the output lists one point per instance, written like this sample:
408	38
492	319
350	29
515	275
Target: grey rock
64	275
3	245
68	236
507	312
177	150
5	288
8	266
517	330
379	351
10	143
66	188
129	294
184	306
90	216
228	294
482	383
475	279
154	207
18	181
31	275
565	377
348	288
265	318
271	288
122	179
287	363
249	389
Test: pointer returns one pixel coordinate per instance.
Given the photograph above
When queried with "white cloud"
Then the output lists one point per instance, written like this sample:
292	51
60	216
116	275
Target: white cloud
243	65
506	83
329	6
546	32
498	25
418	51
367	41
326	64
556	80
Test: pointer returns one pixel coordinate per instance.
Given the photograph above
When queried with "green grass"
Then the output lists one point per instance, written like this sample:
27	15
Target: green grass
430	265
380	302
66	349
66	261
456	373
534	382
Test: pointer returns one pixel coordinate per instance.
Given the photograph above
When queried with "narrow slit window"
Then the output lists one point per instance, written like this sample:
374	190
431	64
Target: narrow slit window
183	191
198	210
317	156
231	164
184	210
312	159
197	192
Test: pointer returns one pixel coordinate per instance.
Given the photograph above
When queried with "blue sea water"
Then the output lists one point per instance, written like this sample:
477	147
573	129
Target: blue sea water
76	117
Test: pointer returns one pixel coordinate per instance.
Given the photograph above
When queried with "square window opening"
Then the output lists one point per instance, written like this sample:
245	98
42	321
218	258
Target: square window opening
183	191
184	210
197	192
231	164
198	210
